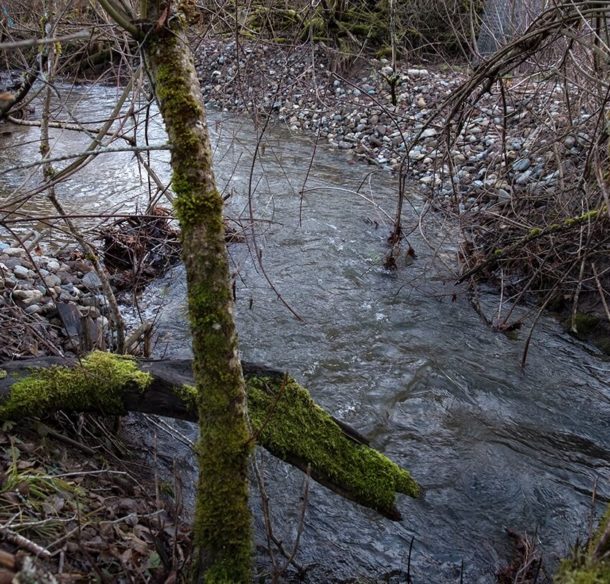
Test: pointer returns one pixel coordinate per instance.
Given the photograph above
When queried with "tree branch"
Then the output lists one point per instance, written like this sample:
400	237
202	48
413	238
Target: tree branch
285	420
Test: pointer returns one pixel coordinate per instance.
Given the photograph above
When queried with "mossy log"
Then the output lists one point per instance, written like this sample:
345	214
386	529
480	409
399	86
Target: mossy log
285	419
590	565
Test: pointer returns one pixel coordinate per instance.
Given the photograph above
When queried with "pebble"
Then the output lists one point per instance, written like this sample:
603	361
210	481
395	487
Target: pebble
36	291
21	272
569	142
521	165
52	280
14	251
92	281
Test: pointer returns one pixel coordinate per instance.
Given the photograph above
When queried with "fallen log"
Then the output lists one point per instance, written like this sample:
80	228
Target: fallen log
285	420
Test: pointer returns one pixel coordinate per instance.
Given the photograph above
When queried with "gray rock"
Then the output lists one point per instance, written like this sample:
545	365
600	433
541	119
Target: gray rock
569	142
53	265
66	277
417	72
429	133
28	297
33	309
524	177
14	251
521	165
21	272
52	280
12	263
92	281
10	281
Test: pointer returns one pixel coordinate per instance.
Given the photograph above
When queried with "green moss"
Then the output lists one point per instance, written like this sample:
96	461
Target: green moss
183	115
188	396
583	324
535	232
570	574
590	565
384	52
585	217
315	24
97	383
289	424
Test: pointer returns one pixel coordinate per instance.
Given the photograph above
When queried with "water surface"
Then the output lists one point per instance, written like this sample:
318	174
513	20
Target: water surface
396	355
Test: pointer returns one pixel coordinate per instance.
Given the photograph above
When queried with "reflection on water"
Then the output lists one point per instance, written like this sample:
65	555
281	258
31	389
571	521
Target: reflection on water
493	446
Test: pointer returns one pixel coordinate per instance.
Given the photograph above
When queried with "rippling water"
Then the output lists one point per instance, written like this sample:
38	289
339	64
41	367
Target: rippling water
493	445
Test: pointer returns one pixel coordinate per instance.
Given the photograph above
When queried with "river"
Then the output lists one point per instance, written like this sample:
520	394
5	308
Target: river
401	356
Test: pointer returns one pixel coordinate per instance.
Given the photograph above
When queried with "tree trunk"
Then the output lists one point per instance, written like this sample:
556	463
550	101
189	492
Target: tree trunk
285	420
222	548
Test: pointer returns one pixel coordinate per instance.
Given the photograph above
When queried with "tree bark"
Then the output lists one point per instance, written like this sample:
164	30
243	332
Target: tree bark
222	542
285	420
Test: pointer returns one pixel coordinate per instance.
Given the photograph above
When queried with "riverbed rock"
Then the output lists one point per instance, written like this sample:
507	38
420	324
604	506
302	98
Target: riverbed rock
14	251
22	272
91	280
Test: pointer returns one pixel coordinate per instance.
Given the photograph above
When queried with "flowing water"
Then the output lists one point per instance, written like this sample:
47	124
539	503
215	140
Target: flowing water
396	355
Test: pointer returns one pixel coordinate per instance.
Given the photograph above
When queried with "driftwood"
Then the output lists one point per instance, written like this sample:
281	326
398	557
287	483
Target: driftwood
285	419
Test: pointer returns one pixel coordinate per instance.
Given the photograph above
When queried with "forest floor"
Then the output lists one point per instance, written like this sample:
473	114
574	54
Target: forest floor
77	506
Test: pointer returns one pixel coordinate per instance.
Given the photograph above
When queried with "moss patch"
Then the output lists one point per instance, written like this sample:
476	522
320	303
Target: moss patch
590	565
96	384
290	425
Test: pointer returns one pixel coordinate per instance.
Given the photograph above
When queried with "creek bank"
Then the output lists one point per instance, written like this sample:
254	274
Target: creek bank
354	112
51	300
47	301
499	178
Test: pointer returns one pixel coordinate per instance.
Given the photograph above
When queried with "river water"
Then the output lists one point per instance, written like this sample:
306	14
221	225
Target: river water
396	355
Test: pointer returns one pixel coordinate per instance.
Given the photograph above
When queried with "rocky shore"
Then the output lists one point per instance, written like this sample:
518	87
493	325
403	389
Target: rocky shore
495	155
50	303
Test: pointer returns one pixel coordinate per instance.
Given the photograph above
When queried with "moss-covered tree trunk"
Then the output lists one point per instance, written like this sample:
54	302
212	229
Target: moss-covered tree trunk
222	520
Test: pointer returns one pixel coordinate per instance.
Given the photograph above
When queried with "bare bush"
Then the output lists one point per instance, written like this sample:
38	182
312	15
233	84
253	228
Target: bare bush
533	204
